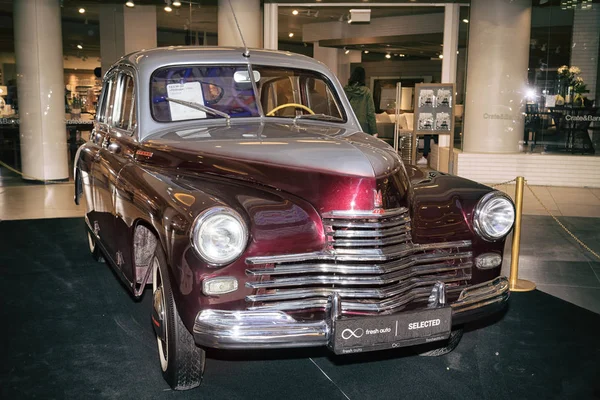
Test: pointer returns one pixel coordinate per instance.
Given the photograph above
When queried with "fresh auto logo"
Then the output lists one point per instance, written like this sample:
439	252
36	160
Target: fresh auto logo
349	333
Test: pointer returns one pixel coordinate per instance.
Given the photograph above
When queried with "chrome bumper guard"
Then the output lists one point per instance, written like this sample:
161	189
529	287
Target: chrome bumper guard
275	329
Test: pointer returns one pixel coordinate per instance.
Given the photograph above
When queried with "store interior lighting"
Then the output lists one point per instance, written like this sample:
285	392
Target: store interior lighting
291	34
388	56
295	12
168	6
575	4
82	10
176	3
130	4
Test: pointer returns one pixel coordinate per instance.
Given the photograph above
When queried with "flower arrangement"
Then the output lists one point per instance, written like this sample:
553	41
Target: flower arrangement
571	86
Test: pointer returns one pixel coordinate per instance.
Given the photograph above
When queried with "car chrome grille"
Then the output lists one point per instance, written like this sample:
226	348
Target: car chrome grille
370	261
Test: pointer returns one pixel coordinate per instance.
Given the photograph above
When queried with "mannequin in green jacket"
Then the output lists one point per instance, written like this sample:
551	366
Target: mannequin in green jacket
361	101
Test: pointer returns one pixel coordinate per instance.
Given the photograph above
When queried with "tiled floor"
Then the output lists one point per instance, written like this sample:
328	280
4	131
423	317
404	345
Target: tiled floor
549	256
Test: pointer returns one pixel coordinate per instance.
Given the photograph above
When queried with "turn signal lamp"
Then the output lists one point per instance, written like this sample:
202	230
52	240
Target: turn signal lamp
219	285
488	260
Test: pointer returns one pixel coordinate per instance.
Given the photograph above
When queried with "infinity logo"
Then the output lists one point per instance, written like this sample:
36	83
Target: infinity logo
349	333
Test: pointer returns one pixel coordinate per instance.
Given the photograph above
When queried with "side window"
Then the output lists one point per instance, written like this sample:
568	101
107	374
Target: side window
110	100
101	109
126	103
320	99
276	93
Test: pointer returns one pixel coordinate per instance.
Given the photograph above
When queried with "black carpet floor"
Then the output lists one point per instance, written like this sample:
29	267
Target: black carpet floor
70	331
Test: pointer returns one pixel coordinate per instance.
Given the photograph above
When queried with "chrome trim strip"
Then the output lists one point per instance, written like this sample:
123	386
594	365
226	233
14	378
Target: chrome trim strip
368	225
371	242
357	269
256	329
349	280
385	232
362	214
349	293
390	252
386	305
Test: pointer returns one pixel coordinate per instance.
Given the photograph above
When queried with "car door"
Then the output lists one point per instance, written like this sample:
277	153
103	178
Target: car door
122	145
103	175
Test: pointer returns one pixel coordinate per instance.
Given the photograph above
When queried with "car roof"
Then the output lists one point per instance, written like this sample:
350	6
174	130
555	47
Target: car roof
149	60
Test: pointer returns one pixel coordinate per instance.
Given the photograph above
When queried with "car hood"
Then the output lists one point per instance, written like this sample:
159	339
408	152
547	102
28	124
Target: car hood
333	168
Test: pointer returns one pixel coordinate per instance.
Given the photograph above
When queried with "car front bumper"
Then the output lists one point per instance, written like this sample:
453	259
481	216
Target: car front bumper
275	329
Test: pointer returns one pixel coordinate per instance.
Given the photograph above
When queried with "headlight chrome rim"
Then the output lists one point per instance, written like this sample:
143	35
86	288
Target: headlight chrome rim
477	215
205	216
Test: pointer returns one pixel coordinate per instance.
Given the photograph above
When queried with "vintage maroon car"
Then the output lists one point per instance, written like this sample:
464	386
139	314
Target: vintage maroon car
241	188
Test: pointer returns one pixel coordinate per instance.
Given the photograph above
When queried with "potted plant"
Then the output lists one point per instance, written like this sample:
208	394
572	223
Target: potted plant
571	86
76	108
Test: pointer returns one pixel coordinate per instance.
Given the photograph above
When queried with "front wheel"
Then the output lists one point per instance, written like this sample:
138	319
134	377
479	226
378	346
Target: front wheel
181	361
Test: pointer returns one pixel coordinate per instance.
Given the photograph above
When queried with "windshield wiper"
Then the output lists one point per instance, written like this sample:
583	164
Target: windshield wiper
322	117
200	107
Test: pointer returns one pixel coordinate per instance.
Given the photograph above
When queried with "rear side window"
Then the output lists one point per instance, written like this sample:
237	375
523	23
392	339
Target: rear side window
107	86
125	103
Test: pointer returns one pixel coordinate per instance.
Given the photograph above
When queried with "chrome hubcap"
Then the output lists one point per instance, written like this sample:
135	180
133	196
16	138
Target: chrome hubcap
159	322
158	314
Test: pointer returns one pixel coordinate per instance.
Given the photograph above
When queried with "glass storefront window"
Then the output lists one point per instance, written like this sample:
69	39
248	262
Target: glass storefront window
562	98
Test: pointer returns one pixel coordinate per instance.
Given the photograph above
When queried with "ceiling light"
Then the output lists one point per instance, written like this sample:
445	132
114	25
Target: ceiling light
366	51
168	9
295	12
130	4
81	10
441	56
401	55
346	51
177	3
80	47
466	21
291	34
388	55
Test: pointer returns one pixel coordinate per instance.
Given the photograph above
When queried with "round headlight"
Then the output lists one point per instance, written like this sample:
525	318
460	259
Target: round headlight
494	216
219	235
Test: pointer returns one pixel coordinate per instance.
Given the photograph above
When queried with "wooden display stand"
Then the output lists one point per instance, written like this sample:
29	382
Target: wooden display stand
432	102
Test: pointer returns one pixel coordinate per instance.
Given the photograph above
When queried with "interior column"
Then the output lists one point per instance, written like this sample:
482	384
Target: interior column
249	19
124	30
41	89
271	23
496	75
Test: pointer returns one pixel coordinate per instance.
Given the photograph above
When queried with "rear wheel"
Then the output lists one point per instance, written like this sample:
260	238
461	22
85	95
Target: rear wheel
181	361
94	249
444	347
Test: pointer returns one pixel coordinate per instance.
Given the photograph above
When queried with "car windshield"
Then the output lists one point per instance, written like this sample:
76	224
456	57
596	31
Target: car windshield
191	92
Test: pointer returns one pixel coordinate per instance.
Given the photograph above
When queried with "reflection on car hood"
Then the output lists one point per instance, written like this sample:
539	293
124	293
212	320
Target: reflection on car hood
312	161
302	146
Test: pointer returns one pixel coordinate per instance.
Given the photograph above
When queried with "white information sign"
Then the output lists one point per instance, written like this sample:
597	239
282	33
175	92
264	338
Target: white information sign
190	91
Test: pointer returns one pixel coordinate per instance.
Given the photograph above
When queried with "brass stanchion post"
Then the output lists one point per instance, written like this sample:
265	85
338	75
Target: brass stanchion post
516	284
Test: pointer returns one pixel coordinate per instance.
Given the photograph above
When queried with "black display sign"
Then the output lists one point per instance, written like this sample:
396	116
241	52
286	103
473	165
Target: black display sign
355	335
